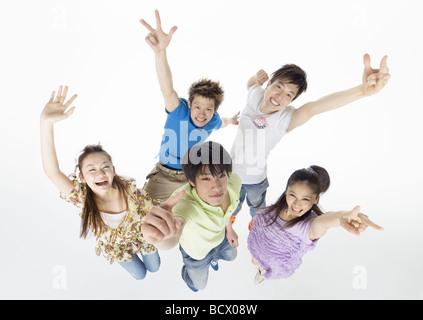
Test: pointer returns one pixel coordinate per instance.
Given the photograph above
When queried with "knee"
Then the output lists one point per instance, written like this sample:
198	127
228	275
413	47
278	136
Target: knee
139	275
233	255
229	255
153	269
152	264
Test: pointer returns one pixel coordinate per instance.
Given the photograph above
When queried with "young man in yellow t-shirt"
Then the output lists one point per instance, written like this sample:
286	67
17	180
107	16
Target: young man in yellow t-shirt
201	221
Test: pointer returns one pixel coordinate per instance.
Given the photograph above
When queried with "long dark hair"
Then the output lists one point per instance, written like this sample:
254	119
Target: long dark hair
316	177
91	218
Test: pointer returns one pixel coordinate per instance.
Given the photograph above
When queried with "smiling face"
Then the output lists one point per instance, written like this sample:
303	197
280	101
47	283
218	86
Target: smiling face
202	110
211	189
300	198
97	172
278	95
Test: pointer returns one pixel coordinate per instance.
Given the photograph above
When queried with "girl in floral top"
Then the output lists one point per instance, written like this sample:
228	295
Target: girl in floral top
111	207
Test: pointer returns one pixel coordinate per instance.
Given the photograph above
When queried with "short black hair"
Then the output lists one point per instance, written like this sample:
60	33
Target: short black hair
209	155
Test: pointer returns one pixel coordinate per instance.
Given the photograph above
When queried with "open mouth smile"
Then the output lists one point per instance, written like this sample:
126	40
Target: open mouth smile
102	183
274	102
296	212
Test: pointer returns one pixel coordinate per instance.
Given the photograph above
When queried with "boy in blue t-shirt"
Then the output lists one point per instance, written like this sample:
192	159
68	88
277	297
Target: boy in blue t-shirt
188	121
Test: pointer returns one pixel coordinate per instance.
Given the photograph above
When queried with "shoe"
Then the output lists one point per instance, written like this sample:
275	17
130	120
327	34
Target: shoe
192	288
233	218
250	225
259	278
214	265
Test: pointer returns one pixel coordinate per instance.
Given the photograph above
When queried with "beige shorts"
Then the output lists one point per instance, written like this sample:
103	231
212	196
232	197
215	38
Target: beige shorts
162	182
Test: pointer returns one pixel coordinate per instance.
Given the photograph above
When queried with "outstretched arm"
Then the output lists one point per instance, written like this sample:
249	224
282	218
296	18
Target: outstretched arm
373	81
158	40
227	121
54	111
353	221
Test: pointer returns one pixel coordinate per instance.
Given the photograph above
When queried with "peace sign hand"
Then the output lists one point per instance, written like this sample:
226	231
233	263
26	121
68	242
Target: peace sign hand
157	39
55	109
355	222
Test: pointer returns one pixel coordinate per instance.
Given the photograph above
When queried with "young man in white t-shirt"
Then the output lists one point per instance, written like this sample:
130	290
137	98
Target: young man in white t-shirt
268	116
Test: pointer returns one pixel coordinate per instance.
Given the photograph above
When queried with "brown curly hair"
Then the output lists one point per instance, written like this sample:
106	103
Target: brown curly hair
208	89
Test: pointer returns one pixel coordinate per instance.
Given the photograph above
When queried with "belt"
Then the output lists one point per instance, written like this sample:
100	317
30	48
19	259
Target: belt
169	169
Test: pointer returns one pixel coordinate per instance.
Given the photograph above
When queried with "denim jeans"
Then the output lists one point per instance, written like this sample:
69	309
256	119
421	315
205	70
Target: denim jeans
138	269
195	273
256	197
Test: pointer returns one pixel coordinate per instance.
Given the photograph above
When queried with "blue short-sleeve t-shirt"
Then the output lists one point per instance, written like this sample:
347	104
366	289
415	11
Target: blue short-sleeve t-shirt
181	133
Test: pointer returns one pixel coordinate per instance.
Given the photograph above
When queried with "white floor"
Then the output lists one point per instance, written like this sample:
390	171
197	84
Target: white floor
371	148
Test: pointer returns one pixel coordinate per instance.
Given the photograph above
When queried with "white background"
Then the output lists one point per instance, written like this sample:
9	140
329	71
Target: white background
371	148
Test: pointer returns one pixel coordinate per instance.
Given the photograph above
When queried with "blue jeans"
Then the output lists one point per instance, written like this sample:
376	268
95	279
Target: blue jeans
195	273
256	197
138	269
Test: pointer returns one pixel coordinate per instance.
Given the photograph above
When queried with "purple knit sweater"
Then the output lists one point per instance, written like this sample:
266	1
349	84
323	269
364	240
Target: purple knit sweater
277	250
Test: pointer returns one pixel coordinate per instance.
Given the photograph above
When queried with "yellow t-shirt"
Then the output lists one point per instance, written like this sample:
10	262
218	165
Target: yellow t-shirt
204	224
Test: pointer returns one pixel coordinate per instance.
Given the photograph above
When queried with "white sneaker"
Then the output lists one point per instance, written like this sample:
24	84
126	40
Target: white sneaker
259	278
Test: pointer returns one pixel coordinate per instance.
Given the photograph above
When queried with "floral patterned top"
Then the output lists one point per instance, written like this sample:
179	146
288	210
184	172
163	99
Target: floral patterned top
122	243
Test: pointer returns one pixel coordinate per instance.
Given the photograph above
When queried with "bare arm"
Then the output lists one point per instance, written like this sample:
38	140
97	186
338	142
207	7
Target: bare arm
373	81
227	121
159	41
353	221
328	103
54	111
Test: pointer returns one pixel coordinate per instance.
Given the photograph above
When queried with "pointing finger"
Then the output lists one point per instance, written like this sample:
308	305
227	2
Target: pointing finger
172	201
370	223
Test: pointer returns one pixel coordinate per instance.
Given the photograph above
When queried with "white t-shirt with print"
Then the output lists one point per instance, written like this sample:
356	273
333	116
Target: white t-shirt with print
257	135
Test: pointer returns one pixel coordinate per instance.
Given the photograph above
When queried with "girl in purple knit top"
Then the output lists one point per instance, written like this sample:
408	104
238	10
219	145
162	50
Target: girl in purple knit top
282	233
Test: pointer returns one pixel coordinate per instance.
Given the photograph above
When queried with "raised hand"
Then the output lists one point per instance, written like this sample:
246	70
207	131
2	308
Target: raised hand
355	222
160	224
235	119
157	39
261	77
374	79
55	109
